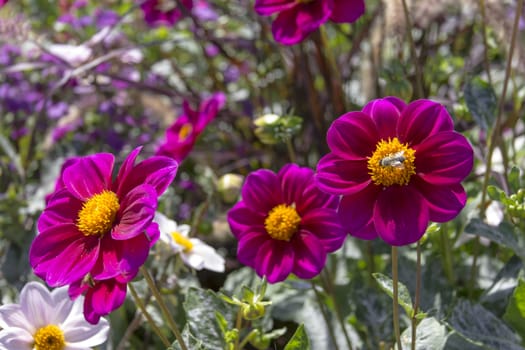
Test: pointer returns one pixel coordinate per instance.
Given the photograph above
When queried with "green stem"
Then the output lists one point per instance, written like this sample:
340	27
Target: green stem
163	307
446	250
325	316
395	298
238	325
419	76
146	314
485	42
291	151
416	297
247	339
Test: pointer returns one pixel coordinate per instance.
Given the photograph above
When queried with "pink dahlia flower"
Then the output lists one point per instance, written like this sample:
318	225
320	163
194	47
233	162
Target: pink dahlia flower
285	224
182	135
96	228
296	19
397	167
163	12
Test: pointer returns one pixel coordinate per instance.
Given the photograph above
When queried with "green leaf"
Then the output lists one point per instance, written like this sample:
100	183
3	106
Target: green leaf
430	335
481	102
515	313
514	179
190	341
495	193
503	234
299	340
387	285
480	326
201	307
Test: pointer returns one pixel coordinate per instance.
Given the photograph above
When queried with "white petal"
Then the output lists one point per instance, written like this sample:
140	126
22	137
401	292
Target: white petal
11	315
184	230
37	304
80	334
62	304
194	260
15	338
166	225
213	261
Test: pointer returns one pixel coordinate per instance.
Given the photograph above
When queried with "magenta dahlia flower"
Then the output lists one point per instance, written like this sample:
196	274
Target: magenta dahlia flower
296	19
397	167
96	228
163	12
285	224
182	135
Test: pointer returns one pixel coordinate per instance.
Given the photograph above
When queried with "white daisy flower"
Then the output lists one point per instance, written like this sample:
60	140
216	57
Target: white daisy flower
193	251
48	321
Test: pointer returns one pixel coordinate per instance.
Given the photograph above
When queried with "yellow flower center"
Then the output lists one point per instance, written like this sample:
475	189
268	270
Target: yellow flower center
185	131
49	337
282	222
182	241
392	163
98	214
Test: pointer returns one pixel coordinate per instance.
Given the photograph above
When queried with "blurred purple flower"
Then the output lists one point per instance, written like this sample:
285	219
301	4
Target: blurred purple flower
161	12
297	19
203	11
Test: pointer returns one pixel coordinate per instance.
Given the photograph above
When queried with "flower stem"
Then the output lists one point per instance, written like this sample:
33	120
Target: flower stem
291	152
238	325
419	76
395	303
325	316
416	297
163	307
485	42
146	314
447	256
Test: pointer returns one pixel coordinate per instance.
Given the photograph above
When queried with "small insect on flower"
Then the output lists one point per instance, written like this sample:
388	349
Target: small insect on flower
395	160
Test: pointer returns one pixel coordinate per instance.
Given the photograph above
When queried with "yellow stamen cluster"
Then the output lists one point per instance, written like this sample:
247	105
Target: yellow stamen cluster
49	337
392	163
282	222
98	214
182	241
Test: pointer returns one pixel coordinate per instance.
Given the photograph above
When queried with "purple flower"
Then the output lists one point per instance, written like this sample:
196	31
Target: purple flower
285	224
296	19
397	167
96	229
182	135
162	12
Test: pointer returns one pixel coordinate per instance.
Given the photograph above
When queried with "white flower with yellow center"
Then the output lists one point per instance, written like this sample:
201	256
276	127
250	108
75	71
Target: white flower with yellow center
48	321
193	251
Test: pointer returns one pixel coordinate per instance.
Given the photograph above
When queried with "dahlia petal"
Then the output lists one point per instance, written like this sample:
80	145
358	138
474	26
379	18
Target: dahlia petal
249	245
139	206
275	260
16	338
294	24
62	207
353	136
421	119
62	255
77	288
444	202
11	315
153	233
213	261
89	175
241	219
347	11
103	298
62	305
127	165
60	182
208	110
313	198
385	114
294	180
269	7
356	212
339	176
310	257
37	305
445	158
400	215
82	335
261	191
325	225
157	171
120	257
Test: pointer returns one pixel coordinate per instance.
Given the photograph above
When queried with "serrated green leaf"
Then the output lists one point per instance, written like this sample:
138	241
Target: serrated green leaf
481	101
430	335
299	340
387	285
502	234
515	313
480	326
